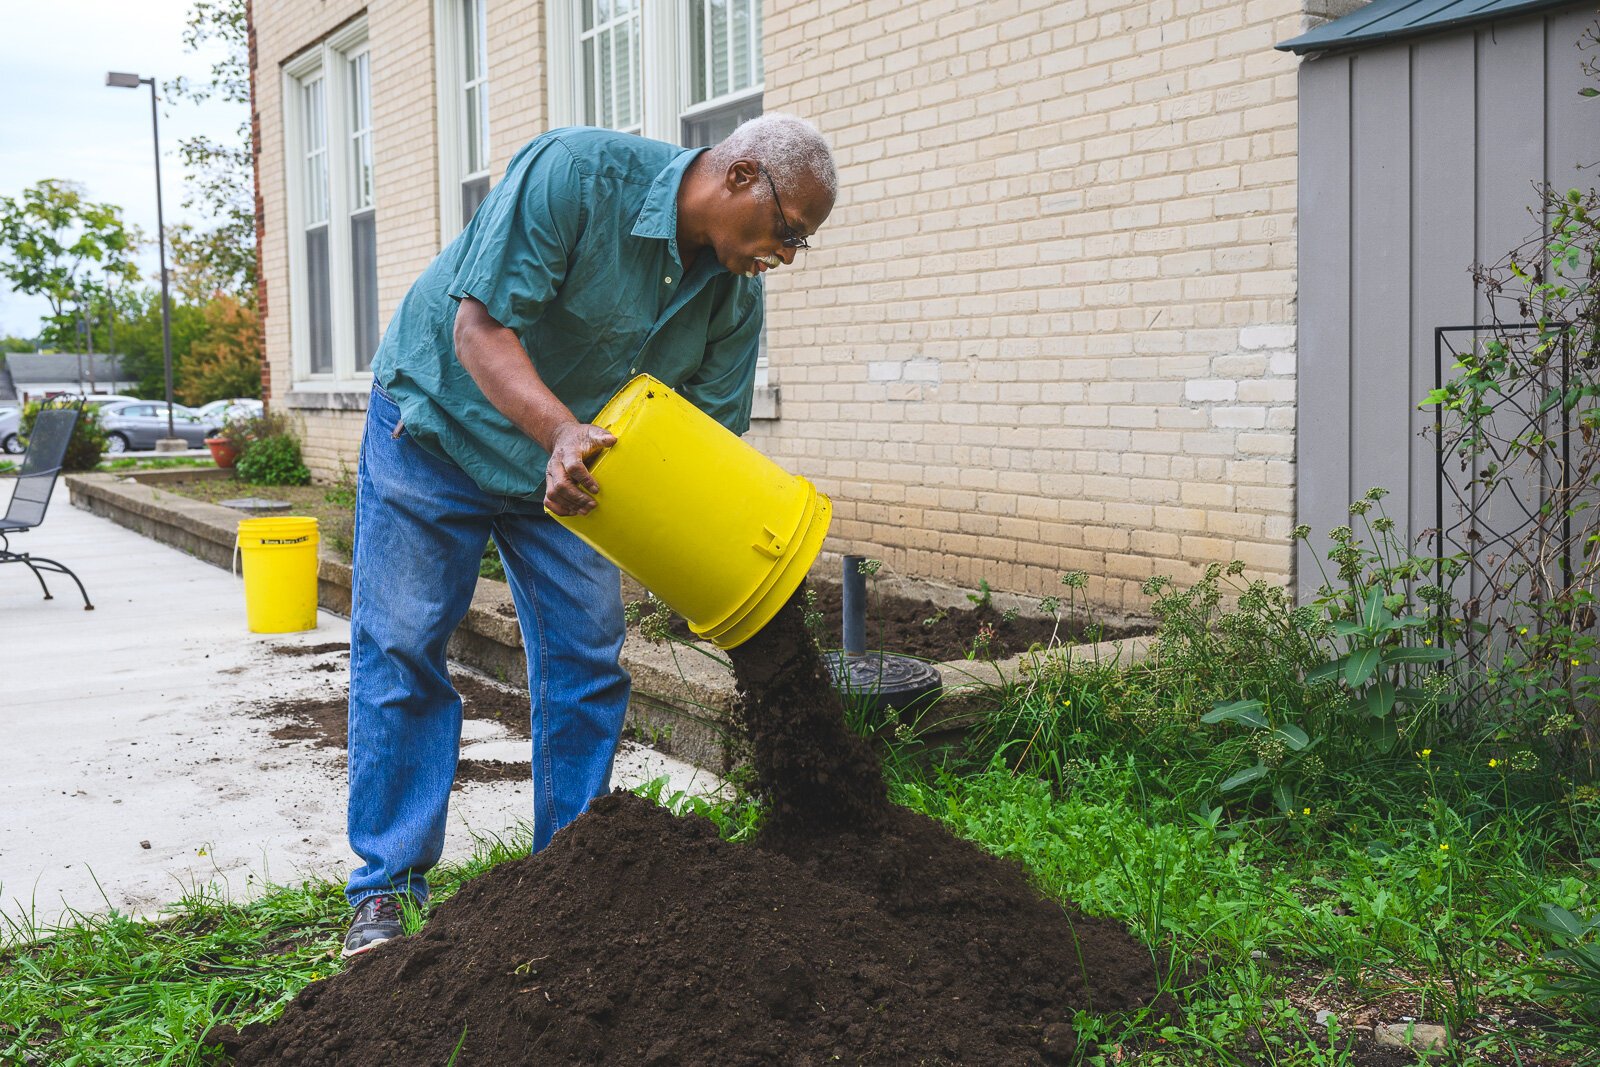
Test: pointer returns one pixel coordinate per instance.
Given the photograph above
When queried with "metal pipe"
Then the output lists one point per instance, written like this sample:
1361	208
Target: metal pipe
855	607
161	243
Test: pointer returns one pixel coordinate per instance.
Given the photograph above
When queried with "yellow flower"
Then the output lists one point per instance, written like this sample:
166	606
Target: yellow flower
1575	663
1444	847
1523	631
1307	811
1427	640
1066	703
1494	763
1425	753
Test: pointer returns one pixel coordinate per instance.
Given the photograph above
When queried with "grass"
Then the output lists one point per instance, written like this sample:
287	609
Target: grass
153	463
1253	933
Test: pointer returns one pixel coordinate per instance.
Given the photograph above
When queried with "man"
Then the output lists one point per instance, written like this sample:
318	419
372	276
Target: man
599	256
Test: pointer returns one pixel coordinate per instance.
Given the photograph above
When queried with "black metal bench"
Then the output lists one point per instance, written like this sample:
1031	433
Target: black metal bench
47	448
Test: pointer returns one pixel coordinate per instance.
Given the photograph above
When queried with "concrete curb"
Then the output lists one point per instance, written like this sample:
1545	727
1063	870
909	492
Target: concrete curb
682	700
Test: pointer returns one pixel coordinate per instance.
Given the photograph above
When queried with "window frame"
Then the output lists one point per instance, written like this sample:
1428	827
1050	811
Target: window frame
449	35
329	60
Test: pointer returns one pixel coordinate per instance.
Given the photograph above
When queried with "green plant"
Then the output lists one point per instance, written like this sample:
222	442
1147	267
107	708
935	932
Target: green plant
1572	970
491	565
342	493
981	597
273	461
88	441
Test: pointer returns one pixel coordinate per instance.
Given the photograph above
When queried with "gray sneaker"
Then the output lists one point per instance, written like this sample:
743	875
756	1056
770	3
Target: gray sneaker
377	920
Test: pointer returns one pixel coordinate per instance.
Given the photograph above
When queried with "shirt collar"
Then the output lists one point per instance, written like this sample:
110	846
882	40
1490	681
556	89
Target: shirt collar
659	215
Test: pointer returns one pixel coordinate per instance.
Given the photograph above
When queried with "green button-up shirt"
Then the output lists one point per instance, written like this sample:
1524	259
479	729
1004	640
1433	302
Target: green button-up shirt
576	250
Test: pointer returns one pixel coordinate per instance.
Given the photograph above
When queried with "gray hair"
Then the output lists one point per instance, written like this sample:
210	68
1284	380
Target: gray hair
787	146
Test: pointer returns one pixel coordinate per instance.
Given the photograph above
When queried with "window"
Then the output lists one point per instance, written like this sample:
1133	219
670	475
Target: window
314	195
333	279
463	80
725	68
609	43
363	213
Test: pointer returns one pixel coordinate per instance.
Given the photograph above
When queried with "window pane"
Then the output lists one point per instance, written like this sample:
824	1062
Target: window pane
314	123
759	74
474	134
361	132
472	194
697	51
724	47
622	53
319	301
364	284
709	127
608	106
589	76
740	74
471	16
719	47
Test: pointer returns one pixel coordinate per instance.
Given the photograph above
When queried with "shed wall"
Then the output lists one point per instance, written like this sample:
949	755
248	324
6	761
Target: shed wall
1418	159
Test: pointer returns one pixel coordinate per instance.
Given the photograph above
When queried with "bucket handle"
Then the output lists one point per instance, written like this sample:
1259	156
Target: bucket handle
235	567
771	544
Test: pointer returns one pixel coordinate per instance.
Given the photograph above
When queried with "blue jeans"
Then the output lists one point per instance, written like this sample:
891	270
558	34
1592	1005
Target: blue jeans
421	528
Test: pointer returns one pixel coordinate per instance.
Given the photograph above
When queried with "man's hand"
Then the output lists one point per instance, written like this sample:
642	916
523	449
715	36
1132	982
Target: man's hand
569	488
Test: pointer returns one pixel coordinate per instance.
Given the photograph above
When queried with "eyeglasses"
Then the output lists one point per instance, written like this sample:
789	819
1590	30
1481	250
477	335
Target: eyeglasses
791	237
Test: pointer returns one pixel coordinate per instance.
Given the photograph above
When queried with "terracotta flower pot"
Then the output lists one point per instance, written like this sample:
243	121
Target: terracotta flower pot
222	451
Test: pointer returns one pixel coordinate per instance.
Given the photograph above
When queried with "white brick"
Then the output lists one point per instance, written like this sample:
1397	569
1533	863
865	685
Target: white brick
1267	337
1205	389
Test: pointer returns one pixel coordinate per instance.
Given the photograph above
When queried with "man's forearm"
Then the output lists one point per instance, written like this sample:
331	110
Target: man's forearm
500	366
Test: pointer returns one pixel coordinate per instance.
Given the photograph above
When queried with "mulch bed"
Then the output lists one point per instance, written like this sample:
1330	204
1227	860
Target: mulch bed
851	931
916	626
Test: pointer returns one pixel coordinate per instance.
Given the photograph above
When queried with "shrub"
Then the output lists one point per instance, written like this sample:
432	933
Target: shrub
88	441
273	460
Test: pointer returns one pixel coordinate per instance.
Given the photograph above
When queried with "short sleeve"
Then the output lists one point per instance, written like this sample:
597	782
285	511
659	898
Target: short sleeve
517	246
724	385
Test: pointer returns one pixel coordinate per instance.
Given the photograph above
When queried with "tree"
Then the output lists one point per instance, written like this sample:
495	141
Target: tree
219	256
225	360
49	236
139	341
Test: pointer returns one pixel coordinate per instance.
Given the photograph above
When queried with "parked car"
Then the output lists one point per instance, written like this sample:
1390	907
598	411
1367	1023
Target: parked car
92	401
221	412
141	423
11	430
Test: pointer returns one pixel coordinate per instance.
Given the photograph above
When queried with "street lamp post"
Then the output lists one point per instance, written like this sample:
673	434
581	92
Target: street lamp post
133	81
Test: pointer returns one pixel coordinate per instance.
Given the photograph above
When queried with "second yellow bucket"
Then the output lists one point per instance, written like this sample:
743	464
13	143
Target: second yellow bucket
280	573
717	531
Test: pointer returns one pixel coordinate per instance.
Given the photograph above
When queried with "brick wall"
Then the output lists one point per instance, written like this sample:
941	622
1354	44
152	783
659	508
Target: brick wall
1050	324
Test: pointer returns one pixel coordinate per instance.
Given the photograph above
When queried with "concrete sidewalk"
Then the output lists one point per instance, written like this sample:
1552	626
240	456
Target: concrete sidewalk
131	726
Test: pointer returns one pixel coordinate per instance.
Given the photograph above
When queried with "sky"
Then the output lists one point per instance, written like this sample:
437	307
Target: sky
60	120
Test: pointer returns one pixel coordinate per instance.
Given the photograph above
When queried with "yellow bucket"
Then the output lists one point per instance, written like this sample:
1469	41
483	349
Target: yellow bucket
717	531
280	573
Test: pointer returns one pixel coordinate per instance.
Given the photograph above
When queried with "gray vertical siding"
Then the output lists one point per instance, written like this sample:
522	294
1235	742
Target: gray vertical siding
1417	159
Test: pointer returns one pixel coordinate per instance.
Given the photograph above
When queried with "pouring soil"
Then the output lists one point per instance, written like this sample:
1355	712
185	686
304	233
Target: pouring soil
851	931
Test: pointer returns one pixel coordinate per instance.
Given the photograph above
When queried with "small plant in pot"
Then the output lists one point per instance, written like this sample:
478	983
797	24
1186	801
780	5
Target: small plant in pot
223	450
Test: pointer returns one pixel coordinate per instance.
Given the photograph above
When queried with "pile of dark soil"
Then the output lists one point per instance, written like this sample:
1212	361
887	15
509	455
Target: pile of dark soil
852	931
